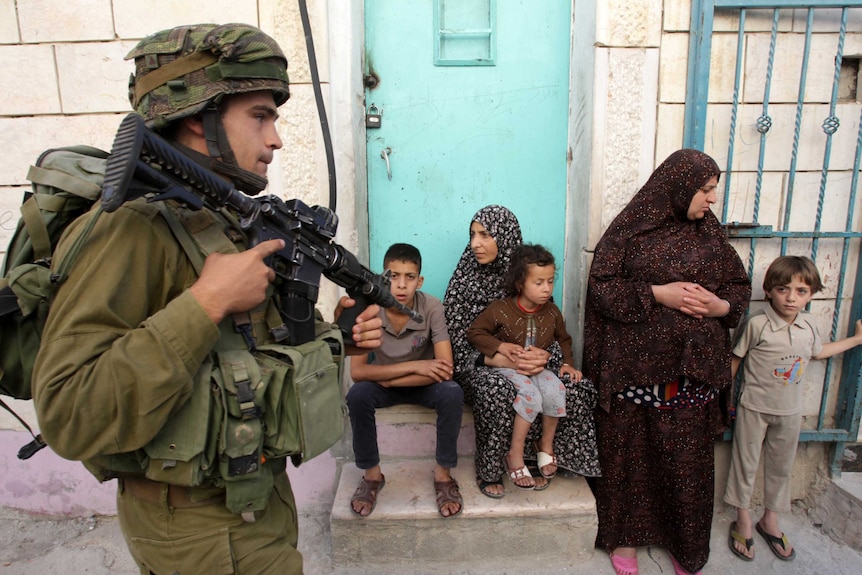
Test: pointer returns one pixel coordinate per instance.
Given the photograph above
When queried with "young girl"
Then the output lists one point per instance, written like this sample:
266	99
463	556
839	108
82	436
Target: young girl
506	329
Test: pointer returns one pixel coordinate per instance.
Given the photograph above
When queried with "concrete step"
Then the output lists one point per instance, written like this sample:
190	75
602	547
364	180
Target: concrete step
839	509
410	431
405	525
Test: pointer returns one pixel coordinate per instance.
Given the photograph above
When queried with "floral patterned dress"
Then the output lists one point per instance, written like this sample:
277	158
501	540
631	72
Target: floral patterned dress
659	371
473	286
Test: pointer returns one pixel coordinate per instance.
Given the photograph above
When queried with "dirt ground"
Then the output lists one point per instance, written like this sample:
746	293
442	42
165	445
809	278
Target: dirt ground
95	546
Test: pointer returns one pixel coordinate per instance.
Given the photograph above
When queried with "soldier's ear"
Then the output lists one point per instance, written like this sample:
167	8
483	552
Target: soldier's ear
193	124
189	132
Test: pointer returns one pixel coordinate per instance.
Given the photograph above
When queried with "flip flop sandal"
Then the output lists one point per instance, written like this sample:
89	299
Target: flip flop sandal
448	492
367	492
484	485
735	537
772	541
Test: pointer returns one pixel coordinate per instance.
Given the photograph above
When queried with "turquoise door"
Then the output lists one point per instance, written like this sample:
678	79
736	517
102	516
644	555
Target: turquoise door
473	99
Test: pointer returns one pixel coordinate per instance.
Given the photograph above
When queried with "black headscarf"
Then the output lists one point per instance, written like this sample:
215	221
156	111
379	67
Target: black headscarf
473	285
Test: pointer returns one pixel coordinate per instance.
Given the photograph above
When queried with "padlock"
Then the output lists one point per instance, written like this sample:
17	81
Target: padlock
373	117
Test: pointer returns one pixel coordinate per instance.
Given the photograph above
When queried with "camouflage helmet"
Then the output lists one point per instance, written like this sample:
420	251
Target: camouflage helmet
178	72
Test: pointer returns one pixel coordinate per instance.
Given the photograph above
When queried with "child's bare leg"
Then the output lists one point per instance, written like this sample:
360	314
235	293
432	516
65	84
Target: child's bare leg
515	457
744	528
769	523
546	442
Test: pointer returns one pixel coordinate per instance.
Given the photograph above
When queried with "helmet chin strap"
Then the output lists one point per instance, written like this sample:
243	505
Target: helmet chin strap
219	149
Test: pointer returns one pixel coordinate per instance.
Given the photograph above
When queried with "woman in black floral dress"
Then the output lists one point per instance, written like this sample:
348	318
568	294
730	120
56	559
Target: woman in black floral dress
476	282
665	288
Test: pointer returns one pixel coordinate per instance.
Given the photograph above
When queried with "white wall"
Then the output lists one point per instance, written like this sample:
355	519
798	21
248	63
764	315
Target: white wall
63	81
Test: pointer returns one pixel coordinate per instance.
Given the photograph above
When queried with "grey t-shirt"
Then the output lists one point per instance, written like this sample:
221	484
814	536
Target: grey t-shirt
416	341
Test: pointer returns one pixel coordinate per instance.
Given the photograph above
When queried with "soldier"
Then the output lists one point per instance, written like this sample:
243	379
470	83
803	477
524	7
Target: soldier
138	344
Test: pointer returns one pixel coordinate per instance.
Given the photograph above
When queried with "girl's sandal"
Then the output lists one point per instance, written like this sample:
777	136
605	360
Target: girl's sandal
543	459
523	473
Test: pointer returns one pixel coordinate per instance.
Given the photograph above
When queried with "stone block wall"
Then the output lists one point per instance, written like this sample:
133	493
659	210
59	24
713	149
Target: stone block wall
64	81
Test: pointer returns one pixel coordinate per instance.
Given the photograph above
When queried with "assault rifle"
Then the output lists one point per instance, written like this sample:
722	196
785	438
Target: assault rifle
143	163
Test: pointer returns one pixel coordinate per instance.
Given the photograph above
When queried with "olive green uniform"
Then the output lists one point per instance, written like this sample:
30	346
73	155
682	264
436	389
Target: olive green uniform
120	351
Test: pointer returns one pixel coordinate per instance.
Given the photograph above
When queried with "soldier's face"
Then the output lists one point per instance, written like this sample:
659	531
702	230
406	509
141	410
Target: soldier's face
249	121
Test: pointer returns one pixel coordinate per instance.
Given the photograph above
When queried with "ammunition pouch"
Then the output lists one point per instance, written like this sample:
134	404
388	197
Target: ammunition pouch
248	411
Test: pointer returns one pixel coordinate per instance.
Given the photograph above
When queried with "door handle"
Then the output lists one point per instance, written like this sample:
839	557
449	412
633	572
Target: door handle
384	153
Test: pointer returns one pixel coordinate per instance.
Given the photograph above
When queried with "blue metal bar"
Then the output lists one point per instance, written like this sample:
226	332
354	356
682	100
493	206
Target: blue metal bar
822	435
847	410
784	4
697	83
764	123
797	127
737	79
830	126
825	435
854	182
757	231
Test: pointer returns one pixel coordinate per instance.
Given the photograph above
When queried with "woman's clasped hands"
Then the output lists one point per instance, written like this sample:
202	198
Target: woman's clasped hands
691	299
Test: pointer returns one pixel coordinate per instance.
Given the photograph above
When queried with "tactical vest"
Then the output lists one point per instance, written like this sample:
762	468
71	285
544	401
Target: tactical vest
249	410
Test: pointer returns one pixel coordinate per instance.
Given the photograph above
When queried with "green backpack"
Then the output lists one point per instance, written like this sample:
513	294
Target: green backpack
66	182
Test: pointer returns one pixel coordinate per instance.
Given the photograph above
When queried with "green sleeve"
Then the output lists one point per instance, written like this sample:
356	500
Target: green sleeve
123	338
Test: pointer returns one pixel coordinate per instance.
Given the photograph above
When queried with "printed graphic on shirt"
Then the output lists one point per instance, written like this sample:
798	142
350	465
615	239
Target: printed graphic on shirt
419	342
792	373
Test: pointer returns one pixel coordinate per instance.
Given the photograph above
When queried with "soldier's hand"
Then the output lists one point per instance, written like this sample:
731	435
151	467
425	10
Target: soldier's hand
367	331
232	283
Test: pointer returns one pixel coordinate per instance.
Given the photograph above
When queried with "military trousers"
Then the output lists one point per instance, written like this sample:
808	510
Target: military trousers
166	540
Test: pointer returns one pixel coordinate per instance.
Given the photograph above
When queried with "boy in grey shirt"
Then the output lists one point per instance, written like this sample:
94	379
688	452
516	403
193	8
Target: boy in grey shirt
412	365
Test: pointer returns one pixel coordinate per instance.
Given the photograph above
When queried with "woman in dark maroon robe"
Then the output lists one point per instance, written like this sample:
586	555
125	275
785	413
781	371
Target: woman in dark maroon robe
665	288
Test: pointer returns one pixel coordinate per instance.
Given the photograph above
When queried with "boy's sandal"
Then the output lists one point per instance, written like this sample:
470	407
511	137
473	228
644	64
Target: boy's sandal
624	565
773	541
367	492
522	473
484	485
734	537
448	492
